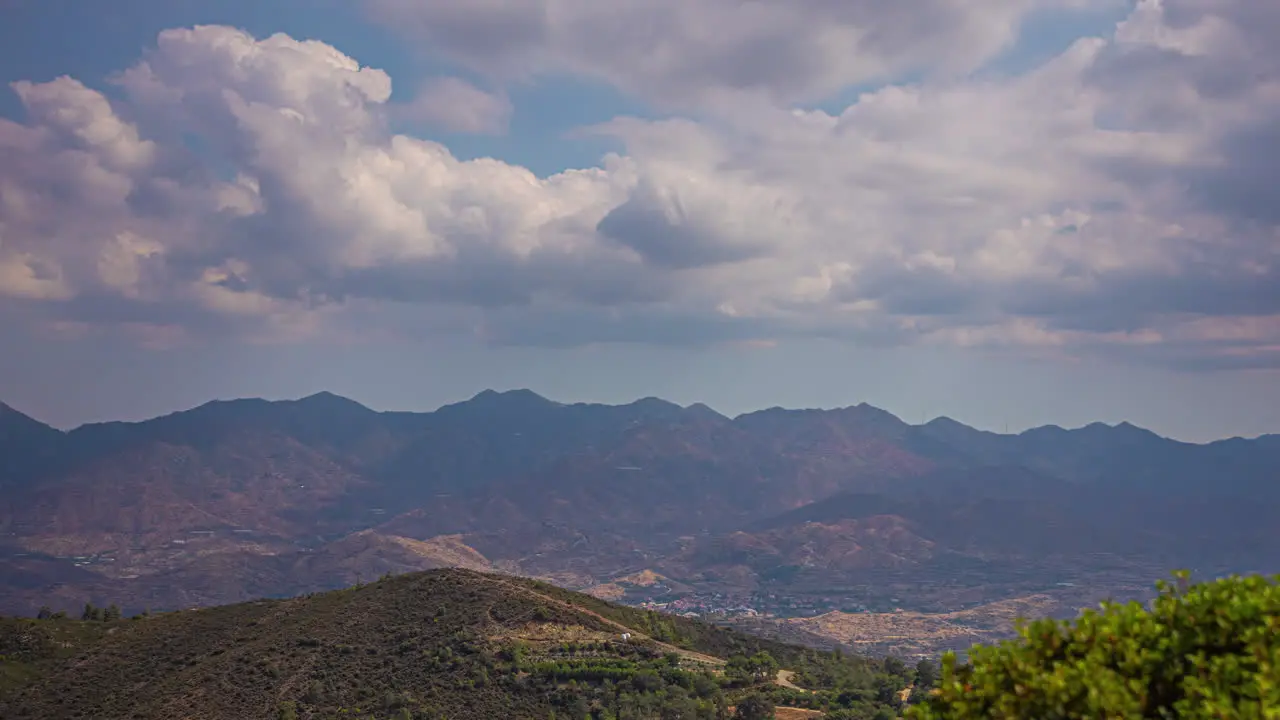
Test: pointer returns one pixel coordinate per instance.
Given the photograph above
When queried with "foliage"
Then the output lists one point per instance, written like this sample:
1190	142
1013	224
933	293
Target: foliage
756	706
1206	651
926	674
441	644
760	667
926	678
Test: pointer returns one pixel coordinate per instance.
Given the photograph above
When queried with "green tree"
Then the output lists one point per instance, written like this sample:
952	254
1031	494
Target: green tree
1206	651
112	613
763	666
926	679
894	666
926	673
756	706
45	613
738	669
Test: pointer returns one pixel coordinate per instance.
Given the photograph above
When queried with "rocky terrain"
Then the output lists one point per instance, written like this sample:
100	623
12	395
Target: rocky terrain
777	513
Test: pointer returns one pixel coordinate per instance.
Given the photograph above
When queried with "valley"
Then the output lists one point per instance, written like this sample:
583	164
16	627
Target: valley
845	527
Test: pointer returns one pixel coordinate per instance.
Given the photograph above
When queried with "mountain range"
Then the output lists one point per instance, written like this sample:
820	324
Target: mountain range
783	511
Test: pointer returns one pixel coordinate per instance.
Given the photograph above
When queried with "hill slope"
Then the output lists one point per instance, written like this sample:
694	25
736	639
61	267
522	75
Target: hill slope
446	643
251	498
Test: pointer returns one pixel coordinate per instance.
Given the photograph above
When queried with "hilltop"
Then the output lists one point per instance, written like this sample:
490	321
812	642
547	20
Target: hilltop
445	643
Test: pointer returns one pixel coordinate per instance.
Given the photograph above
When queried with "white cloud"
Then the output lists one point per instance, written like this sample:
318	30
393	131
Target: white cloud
1069	209
455	105
682	52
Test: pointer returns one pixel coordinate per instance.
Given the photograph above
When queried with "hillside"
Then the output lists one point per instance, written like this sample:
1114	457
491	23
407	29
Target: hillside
911	635
788	512
446	643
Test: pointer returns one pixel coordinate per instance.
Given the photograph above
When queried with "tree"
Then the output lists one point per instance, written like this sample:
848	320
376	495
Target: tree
756	706
926	673
738	669
1201	651
91	612
763	666
926	679
894	666
111	613
45	613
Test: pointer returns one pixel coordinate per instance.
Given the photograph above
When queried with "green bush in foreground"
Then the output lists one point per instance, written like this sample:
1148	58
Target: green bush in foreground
1206	651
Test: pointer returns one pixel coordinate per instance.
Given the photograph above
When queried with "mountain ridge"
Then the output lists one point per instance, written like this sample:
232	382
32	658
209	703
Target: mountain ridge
531	397
203	505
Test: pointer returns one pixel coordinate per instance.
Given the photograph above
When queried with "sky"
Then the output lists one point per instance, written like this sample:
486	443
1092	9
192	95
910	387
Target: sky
1009	212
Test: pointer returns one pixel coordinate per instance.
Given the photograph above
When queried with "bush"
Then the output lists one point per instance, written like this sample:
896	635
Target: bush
1206	651
755	706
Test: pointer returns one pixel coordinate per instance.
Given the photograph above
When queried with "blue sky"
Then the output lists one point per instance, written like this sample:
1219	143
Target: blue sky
1000	212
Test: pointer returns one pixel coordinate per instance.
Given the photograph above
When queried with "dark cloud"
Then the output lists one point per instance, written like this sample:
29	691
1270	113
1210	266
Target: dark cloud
678	243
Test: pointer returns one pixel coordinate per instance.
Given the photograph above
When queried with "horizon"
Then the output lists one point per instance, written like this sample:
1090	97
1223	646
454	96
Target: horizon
682	405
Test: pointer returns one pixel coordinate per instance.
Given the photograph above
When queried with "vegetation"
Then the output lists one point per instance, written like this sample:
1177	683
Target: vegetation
443	644
1205	651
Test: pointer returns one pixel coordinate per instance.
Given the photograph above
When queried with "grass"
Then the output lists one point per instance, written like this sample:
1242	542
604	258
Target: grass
447	643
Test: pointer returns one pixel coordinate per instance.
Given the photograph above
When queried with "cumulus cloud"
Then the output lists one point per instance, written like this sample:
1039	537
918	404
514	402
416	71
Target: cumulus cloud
679	52
1119	199
455	105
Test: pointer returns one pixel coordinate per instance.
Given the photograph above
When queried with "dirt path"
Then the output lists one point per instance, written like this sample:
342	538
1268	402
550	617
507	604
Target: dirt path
784	679
790	713
687	654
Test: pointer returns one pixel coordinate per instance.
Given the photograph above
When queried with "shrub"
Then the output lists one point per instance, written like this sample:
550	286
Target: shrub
1205	651
755	706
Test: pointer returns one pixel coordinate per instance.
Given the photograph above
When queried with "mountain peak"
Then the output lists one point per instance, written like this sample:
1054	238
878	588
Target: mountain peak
520	398
871	411
12	416
327	401
513	394
654	405
955	429
705	411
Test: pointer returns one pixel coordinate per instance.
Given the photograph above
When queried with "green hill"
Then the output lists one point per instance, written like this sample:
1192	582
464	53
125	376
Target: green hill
450	644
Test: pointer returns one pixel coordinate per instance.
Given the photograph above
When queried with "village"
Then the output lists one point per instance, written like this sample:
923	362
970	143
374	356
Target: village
712	606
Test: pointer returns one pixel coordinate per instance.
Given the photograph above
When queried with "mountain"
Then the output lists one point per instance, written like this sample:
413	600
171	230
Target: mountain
784	511
448	643
27	447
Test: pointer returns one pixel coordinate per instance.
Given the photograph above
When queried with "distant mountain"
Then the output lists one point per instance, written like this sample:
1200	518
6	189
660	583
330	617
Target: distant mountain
27	447
235	499
449	643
